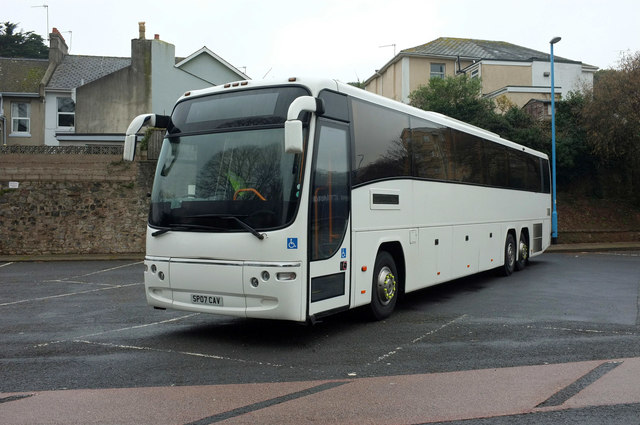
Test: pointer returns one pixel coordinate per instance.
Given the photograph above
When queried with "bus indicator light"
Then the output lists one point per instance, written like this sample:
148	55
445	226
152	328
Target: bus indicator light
364	268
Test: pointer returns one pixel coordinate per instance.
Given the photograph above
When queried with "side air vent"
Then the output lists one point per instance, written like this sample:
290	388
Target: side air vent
537	237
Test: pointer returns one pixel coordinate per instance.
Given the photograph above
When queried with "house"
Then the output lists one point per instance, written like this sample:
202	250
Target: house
90	100
538	109
21	99
517	72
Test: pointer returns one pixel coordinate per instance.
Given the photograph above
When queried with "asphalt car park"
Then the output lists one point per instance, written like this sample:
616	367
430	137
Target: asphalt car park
82	328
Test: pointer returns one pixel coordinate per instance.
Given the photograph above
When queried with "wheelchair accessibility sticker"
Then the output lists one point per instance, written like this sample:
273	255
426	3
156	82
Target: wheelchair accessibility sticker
343	253
292	243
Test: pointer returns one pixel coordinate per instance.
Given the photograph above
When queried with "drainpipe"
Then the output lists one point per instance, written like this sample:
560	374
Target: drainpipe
4	122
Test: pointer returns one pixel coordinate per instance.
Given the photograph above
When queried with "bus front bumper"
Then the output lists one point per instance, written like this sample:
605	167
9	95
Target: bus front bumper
258	289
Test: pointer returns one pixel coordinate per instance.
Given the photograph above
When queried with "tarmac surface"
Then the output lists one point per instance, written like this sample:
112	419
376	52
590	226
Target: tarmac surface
600	391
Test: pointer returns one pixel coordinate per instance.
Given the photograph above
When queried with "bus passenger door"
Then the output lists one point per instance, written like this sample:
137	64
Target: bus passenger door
329	234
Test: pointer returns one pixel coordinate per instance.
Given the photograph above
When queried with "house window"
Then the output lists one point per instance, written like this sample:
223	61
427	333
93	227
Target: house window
20	119
475	73
66	112
437	70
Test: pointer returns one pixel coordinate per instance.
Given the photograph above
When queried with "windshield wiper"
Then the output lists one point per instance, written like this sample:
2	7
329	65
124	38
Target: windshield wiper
236	218
183	227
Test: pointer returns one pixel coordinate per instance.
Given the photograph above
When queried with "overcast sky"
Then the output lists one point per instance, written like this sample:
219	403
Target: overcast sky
333	38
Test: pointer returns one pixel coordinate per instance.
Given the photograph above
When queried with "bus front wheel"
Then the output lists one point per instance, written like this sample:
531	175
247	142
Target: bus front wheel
509	256
384	291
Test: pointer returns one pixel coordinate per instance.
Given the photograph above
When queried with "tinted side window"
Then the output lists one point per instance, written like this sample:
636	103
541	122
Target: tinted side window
544	170
497	164
534	180
468	158
381	143
431	149
517	170
335	105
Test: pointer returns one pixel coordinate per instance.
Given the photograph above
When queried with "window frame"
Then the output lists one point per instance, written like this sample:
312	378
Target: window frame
65	113
437	74
16	118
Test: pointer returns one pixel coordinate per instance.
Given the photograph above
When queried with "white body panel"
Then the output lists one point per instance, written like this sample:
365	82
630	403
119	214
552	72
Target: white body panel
470	224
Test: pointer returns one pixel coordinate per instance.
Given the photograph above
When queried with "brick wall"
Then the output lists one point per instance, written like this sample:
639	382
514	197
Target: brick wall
73	202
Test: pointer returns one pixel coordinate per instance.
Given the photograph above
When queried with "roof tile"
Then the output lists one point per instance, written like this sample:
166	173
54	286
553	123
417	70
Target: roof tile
480	50
76	70
20	75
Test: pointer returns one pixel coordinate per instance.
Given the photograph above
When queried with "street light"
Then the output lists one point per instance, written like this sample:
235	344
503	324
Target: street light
554	214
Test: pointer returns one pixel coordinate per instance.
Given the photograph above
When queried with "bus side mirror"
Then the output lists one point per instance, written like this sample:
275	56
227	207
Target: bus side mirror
150	120
293	142
293	134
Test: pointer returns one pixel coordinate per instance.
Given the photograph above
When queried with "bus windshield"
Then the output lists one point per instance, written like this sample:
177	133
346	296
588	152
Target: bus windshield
206	180
226	174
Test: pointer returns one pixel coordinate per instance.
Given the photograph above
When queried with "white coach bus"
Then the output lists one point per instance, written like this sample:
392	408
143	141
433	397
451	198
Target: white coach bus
297	199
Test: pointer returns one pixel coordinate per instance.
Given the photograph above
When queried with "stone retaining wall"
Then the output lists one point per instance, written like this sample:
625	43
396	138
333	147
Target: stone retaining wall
73	202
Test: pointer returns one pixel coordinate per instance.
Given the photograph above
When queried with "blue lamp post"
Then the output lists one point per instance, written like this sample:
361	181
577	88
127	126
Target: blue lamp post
554	214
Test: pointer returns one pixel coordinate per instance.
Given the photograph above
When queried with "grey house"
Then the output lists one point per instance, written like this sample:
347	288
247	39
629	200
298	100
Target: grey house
89	100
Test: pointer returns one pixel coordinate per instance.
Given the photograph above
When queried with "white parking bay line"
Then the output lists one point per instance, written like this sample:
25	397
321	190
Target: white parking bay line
69	294
184	353
5	264
175	319
68	279
111	269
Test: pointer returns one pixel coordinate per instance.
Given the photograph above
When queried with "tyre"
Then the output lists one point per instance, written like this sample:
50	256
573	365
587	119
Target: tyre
509	256
385	286
523	252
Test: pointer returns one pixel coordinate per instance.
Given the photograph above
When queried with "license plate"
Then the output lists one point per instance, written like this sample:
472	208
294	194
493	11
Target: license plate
206	299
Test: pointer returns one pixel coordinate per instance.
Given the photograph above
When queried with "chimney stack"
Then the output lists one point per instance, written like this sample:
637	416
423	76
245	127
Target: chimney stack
156	37
141	30
57	47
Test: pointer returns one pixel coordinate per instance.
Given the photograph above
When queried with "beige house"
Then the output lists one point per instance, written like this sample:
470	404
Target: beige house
517	72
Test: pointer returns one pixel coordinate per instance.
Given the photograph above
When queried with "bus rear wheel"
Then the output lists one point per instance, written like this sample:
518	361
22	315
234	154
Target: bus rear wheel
509	256
384	291
523	252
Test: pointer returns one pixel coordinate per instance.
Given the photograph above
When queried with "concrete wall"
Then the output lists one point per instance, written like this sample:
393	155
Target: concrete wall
151	84
109	104
496	75
201	66
168	83
73	204
568	76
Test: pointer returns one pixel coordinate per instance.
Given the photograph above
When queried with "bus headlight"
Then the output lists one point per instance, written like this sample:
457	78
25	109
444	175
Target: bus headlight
254	282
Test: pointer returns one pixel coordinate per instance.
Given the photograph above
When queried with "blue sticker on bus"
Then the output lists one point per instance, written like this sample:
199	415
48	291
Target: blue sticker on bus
292	243
343	253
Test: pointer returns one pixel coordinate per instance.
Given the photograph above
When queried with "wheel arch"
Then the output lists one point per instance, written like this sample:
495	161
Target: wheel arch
525	232
397	252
